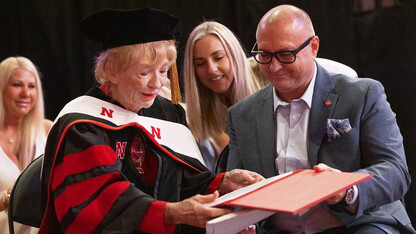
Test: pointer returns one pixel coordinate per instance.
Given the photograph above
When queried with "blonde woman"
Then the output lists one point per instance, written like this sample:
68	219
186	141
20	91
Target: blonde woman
217	75
23	128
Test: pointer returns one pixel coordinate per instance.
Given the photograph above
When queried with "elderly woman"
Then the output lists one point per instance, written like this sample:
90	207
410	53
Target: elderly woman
103	171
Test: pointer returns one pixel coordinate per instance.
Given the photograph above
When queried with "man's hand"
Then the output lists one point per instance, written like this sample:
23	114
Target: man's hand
338	197
238	178
191	211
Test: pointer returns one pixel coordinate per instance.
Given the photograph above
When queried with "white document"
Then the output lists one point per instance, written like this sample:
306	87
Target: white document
240	192
243	217
236	221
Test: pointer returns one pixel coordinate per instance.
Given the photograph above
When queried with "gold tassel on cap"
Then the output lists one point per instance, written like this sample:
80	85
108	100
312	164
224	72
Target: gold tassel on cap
174	84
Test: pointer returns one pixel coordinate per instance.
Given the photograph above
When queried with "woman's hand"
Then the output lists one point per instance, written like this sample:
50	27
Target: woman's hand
238	178
191	211
4	199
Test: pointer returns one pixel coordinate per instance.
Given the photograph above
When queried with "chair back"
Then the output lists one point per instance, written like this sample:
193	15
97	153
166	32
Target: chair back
336	67
25	199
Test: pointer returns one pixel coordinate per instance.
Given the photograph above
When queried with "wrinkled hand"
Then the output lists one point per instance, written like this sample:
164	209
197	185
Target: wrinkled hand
238	178
338	197
191	211
4	199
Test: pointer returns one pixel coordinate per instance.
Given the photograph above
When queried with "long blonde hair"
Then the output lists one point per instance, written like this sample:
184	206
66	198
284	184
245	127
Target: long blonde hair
207	113
32	128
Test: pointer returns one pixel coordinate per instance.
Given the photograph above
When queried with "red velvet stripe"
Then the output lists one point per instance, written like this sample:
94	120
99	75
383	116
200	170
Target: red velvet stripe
215	183
92	157
152	221
80	192
91	216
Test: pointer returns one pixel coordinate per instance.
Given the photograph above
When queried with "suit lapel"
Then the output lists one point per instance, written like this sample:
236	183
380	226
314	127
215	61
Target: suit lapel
324	91
266	132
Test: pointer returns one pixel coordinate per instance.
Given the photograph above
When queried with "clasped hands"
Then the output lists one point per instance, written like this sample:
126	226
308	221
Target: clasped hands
191	211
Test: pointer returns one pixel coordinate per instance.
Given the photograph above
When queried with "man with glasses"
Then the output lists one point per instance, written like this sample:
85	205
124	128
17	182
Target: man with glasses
309	118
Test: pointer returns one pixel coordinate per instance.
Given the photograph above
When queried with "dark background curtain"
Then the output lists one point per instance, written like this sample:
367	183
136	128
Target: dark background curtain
375	37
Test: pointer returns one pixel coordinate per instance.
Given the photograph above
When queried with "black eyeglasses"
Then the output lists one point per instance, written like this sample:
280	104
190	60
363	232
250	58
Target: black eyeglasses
286	56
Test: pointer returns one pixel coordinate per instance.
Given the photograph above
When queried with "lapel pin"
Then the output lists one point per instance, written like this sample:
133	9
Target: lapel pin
327	103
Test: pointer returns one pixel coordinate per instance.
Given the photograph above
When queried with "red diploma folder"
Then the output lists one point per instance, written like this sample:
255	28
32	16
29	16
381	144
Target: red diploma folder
291	192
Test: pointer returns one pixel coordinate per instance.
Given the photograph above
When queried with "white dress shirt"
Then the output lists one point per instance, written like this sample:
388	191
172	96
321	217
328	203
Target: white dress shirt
292	131
292	121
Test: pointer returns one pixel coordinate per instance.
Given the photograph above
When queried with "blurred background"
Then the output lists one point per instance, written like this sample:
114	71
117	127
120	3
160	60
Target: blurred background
377	38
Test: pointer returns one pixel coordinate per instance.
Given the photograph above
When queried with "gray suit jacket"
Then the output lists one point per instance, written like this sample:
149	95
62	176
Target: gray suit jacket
373	145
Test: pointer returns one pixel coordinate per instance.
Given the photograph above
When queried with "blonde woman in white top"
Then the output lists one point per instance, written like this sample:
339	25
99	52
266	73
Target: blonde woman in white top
23	128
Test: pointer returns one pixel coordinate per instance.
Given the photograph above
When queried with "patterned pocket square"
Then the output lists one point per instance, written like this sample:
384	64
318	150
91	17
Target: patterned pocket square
337	127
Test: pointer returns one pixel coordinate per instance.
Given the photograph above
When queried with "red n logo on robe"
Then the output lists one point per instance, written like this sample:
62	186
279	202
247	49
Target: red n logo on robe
105	112
120	149
156	132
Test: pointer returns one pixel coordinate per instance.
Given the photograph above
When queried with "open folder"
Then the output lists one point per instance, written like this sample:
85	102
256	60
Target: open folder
291	193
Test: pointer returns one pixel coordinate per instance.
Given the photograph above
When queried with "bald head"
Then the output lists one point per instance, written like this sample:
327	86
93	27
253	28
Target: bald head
287	30
286	19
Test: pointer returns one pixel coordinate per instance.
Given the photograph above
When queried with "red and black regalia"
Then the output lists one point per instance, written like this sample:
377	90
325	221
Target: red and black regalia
100	177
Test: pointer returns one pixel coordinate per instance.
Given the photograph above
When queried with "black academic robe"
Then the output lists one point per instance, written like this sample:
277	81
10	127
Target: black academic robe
91	182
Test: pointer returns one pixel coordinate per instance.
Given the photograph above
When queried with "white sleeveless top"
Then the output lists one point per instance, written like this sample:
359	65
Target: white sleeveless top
8	175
